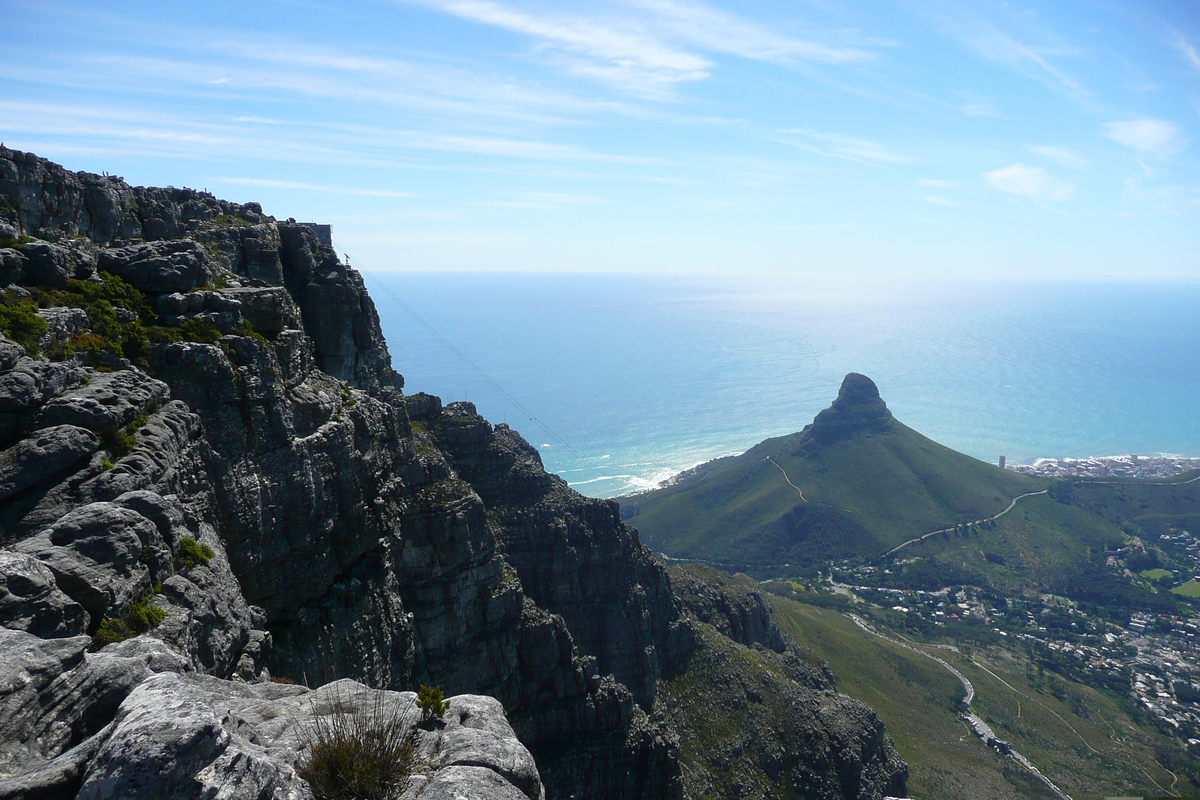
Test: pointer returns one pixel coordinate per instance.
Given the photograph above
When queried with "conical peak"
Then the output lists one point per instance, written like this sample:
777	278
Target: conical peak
858	408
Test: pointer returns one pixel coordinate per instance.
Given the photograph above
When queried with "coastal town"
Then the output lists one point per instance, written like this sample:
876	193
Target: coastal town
1130	466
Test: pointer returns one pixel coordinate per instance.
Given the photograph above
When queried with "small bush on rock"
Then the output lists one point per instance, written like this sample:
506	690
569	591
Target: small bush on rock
138	618
432	702
19	321
192	554
356	754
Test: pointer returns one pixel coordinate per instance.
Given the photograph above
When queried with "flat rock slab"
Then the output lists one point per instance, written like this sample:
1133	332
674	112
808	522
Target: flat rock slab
196	736
43	455
108	400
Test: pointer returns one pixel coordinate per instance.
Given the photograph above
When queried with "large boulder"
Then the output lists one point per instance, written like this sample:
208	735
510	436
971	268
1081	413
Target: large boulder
95	553
31	601
163	266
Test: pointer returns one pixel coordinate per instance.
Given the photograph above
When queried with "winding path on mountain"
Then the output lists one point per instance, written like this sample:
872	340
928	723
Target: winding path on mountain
978	726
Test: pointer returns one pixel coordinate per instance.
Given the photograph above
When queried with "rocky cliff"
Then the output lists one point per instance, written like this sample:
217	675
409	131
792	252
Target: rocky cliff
210	476
857	408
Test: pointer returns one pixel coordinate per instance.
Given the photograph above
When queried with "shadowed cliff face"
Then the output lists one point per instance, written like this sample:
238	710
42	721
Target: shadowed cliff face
233	390
857	409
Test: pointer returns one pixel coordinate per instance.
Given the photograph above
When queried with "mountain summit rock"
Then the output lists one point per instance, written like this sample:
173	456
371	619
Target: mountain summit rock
858	407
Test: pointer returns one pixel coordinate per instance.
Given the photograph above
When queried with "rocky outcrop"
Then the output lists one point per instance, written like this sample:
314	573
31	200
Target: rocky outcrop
219	479
858	408
177	733
731	604
756	718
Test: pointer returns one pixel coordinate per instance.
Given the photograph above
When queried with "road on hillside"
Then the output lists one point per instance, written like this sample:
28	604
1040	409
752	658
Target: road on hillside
981	728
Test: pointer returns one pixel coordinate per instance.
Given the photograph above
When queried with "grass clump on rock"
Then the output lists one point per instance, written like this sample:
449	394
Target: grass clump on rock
138	618
359	754
192	554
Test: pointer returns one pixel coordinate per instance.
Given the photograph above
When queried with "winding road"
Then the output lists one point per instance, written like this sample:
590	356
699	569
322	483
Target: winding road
981	728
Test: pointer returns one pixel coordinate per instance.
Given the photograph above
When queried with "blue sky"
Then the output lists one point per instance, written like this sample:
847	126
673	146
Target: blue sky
898	137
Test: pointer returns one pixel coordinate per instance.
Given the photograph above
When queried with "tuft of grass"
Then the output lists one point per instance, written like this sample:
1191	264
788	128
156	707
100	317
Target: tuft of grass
119	441
138	618
192	554
432	702
359	754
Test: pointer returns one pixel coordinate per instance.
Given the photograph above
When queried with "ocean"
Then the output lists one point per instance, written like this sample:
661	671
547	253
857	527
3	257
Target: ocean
621	381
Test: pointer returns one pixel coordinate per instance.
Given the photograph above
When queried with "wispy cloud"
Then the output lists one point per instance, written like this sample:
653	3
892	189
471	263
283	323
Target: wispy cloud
1186	49
973	105
1149	137
312	187
1063	157
725	33
1032	182
834	145
653	45
539	200
1002	47
621	55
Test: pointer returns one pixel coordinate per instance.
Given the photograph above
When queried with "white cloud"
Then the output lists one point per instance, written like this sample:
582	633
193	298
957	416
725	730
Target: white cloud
986	39
625	56
973	105
1062	156
312	187
1185	48
726	33
1151	137
1032	182
835	145
544	200
651	50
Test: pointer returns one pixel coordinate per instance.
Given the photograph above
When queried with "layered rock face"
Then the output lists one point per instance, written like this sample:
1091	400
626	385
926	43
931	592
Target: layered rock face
858	408
210	475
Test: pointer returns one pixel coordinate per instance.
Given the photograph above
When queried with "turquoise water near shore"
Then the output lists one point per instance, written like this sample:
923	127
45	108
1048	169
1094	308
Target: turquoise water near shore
630	378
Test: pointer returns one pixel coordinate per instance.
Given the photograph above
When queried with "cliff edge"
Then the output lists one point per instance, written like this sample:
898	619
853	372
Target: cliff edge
211	480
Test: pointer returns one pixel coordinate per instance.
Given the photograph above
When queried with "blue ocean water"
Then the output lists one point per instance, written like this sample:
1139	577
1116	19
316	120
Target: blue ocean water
627	379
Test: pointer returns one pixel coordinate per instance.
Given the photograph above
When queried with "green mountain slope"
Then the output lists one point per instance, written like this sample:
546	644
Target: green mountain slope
856	482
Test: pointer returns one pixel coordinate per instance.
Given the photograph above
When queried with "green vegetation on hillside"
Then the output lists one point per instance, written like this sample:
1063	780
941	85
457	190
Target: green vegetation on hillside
862	495
1083	739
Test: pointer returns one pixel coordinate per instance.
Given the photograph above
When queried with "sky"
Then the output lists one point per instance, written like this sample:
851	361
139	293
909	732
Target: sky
894	137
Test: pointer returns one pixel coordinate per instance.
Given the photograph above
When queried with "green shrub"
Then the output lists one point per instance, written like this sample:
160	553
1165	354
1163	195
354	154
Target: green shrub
20	322
246	329
191	554
118	440
138	618
198	330
358	755
432	702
